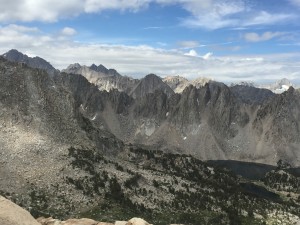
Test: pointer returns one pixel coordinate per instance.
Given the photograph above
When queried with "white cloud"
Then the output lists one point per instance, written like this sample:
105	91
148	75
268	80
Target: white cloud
207	55
33	10
138	61
255	37
213	14
92	6
192	52
266	18
68	31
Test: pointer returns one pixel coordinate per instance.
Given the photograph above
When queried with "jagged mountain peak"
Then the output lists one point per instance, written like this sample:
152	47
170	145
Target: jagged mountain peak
100	68
284	81
74	66
14	55
152	76
149	84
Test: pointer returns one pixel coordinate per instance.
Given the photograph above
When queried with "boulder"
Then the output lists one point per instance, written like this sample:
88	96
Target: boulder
12	214
137	221
83	221
121	223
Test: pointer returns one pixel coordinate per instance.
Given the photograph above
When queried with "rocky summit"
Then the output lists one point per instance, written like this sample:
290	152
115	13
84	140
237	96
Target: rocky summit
70	149
35	62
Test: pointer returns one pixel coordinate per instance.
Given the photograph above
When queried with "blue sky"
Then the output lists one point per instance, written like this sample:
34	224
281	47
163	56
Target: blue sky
227	40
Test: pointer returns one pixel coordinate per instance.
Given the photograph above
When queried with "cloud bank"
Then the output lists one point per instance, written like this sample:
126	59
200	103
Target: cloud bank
138	61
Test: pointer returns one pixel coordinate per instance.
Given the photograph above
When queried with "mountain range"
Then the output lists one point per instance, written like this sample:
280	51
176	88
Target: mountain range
207	119
91	133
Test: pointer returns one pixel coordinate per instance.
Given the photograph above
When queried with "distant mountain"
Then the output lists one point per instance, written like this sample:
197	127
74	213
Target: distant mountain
149	84
92	72
250	94
279	86
178	84
103	78
243	83
35	62
200	82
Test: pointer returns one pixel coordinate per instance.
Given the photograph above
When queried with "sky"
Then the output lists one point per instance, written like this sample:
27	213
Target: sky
225	40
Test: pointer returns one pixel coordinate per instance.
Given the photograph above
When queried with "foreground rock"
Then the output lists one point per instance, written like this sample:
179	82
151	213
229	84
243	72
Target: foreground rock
12	214
84	221
137	221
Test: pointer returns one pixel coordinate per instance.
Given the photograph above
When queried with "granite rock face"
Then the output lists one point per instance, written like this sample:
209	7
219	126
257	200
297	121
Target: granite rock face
12	214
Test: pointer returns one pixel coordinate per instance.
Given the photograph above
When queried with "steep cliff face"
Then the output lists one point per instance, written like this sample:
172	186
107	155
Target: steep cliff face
277	123
196	122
